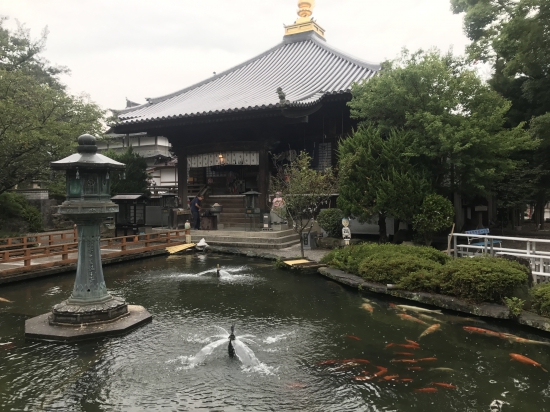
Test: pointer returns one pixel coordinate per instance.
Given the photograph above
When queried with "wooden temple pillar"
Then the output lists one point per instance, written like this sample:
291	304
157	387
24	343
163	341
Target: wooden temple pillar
183	191
263	178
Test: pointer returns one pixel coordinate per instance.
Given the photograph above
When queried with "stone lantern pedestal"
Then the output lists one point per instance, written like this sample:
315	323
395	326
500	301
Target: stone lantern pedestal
90	311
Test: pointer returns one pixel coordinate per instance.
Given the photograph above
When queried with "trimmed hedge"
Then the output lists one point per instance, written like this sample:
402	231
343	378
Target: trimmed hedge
540	295
479	279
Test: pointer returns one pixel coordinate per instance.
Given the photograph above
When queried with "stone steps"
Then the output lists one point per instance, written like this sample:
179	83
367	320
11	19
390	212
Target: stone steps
257	239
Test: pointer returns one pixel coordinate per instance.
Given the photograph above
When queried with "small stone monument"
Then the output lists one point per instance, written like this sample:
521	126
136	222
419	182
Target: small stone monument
90	304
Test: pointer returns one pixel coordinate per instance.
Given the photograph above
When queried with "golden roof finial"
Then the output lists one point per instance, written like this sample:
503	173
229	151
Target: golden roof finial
304	22
305	9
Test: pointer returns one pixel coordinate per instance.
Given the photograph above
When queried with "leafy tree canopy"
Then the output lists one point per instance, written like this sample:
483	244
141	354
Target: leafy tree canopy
455	121
135	177
39	121
378	178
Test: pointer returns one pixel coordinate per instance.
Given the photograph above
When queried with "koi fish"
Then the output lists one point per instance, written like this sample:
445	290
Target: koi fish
404	316
358	360
381	371
431	329
404	353
513	338
412	342
430	318
488	332
444	385
389	377
427	359
442	369
526	360
367	306
417	309
415	368
426	390
403	345
5	300
393	306
353	337
404	361
405	380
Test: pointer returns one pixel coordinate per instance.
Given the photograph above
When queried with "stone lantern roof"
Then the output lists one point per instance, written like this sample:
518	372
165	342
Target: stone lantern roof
87	157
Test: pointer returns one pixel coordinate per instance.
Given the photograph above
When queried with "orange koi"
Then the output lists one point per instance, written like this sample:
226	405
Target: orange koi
381	371
404	361
358	360
526	360
402	345
353	337
390	377
426	390
431	329
444	385
427	359
404	353
412	342
367	306
482	331
393	305
404	316
406	380
415	368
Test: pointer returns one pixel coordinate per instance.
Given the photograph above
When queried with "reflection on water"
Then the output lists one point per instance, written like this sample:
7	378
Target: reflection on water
302	343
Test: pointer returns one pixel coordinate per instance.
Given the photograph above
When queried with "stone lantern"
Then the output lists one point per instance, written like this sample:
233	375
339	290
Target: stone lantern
88	204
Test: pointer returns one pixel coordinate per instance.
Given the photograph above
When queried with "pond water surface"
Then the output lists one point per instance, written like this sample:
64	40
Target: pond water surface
310	339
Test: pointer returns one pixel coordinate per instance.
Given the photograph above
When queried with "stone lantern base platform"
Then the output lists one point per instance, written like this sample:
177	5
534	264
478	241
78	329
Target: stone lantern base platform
40	327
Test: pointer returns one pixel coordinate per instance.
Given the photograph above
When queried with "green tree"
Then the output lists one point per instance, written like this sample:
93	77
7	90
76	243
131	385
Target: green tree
513	37
378	178
135	177
456	122
39	121
436	213
304	191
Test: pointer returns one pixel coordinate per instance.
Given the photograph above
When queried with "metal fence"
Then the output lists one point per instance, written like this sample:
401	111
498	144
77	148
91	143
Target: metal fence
536	251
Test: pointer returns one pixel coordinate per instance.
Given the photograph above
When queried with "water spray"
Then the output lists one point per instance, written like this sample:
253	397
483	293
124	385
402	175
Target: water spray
230	348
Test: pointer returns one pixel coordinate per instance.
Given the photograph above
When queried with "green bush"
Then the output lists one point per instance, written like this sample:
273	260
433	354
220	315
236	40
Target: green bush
424	280
481	279
515	305
351	257
391	268
330	220
540	295
14	206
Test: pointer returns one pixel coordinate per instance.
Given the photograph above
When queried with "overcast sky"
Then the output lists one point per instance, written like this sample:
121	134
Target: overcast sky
134	49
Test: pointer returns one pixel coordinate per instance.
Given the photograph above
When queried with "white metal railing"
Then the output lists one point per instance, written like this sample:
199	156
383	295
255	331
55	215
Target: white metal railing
502	245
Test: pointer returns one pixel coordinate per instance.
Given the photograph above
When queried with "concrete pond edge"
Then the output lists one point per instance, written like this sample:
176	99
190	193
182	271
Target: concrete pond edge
489	310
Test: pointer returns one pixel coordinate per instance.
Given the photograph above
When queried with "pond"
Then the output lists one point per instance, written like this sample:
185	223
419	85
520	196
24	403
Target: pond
307	344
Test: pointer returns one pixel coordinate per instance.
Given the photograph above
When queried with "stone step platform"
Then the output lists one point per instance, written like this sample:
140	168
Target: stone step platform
247	239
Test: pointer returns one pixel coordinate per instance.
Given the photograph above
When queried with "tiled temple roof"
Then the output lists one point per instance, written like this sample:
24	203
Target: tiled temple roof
303	65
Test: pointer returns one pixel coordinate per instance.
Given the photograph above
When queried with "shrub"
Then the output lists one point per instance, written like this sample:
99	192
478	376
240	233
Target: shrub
351	258
540	295
14	206
436	214
481	279
330	220
391	268
515	305
423	280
